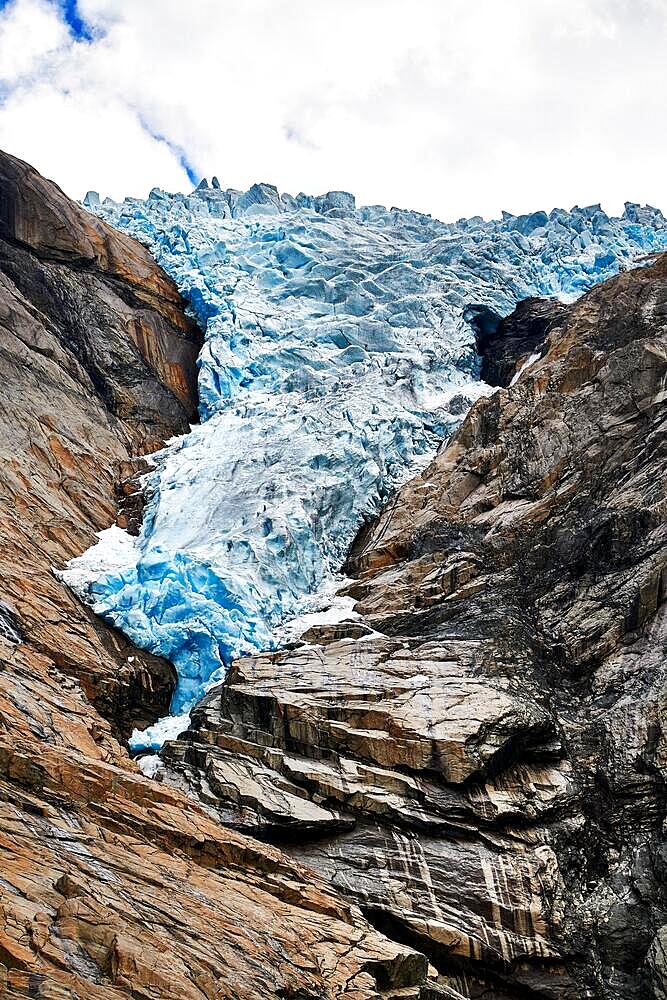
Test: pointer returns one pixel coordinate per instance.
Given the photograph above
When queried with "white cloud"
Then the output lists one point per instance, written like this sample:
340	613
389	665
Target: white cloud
441	105
31	29
83	142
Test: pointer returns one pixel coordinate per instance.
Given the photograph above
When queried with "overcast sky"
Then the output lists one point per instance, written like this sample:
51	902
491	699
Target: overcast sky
453	107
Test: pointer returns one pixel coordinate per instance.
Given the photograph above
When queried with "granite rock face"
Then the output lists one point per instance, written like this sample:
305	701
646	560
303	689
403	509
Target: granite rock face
477	755
113	886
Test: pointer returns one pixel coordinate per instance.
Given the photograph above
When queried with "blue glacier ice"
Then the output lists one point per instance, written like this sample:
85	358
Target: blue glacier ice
338	355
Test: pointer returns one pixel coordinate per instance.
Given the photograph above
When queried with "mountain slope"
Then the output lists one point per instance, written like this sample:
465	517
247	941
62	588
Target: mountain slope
339	352
98	367
477	756
458	790
110	885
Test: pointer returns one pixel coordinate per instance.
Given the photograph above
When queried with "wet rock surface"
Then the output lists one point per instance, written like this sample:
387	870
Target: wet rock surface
477	758
113	886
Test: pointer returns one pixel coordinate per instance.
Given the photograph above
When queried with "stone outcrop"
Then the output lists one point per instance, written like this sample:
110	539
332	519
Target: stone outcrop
504	344
98	367
111	885
477	757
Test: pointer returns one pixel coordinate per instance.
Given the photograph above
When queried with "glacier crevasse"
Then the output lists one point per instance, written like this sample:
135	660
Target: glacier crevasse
337	357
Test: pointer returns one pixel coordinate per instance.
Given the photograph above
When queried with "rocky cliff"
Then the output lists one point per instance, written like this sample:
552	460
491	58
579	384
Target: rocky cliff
477	757
110	884
456	793
98	367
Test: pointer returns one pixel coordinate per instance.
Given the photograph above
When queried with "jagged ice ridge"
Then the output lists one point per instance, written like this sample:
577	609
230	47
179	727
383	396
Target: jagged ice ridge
339	353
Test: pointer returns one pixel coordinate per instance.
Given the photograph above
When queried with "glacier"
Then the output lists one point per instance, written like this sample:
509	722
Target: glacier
339	353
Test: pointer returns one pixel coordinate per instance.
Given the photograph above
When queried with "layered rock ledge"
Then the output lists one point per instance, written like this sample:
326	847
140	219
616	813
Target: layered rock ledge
477	757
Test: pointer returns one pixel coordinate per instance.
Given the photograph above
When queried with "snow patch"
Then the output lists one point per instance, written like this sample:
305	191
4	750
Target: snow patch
526	364
154	736
149	764
326	607
111	556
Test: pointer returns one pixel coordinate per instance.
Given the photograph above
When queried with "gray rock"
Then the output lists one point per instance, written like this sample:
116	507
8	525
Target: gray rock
489	733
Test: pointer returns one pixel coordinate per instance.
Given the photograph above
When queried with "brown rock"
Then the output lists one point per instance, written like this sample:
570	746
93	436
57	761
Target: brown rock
98	366
37	215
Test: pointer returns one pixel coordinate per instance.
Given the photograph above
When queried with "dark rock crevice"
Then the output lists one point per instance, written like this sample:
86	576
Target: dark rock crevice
504	343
